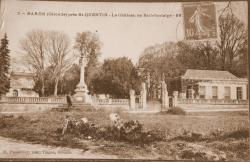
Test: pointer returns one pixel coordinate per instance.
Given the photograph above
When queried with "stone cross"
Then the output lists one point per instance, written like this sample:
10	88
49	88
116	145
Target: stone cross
81	88
83	64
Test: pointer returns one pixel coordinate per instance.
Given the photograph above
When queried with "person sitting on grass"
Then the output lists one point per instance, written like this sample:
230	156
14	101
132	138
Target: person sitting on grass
69	102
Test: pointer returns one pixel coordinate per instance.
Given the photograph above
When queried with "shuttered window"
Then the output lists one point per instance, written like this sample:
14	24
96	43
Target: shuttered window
227	93
202	91
239	93
214	92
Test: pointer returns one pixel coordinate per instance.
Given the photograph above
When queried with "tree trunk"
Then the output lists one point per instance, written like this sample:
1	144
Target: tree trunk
43	87
56	86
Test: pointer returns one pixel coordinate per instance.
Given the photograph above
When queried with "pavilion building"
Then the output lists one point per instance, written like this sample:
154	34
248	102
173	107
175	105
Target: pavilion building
210	84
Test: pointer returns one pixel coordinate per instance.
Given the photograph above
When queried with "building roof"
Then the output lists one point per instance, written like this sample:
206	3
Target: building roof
209	75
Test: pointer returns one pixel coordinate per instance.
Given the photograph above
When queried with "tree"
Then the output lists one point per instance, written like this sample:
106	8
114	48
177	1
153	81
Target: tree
241	64
117	77
70	79
159	62
4	65
35	47
47	49
233	37
48	82
202	55
58	54
88	46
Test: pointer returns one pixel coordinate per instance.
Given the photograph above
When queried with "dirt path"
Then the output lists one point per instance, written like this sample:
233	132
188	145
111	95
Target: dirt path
10	148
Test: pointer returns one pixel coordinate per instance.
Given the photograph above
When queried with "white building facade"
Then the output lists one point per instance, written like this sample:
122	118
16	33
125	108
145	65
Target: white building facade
212	84
21	85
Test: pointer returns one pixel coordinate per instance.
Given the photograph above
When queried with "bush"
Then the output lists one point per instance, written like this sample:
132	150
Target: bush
130	131
237	134
2	123
176	111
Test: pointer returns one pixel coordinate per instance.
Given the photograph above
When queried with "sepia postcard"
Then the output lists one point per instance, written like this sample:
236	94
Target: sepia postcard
124	80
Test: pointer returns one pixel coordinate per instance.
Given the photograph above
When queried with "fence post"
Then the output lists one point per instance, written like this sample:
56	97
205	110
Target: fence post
175	98
143	96
132	99
49	100
164	96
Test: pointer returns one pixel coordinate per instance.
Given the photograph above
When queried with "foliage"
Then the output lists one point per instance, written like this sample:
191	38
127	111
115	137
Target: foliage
4	65
117	77
201	153
66	85
88	46
233	39
201	55
70	80
48	89
176	111
58	46
157	63
34	46
131	131
47	55
237	134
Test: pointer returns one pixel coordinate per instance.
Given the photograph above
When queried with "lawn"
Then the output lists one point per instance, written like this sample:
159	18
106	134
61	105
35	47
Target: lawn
222	132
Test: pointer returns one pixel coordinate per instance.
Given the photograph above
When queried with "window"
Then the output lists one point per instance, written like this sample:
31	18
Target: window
202	91
239	93
227	93
15	93
189	93
214	92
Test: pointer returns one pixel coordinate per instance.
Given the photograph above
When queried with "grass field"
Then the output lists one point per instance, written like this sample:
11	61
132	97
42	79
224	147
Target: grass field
233	139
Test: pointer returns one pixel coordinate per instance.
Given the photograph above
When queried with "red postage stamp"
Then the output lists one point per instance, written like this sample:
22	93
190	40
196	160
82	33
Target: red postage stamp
199	20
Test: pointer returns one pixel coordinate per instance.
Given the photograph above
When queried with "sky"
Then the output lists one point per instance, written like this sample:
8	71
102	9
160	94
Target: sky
120	36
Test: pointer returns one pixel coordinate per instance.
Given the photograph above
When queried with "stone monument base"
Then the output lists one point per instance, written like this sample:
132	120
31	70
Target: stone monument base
82	94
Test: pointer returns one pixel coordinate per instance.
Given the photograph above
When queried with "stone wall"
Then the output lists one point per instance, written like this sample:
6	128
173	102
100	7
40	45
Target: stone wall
22	108
22	93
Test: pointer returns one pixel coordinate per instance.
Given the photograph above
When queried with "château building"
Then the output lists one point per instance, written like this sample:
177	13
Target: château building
210	84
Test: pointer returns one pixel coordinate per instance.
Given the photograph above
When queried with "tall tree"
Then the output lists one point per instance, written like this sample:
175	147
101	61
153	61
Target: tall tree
159	62
233	35
35	47
70	79
60	59
202	55
88	46
4	65
117	77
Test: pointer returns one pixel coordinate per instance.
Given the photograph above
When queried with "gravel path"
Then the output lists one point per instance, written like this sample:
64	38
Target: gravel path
10	148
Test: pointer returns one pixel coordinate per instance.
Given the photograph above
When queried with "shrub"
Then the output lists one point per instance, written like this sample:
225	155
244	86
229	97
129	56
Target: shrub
2	122
130	131
176	111
237	134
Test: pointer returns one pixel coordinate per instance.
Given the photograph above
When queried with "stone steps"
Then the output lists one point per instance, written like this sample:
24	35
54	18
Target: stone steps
64	107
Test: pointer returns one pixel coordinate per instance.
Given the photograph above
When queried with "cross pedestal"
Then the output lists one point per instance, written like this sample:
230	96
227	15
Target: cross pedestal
81	89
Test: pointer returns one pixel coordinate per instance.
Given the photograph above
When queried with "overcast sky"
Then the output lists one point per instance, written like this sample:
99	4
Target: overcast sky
121	36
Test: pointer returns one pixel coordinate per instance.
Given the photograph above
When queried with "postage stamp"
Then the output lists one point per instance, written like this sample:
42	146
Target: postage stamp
199	20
